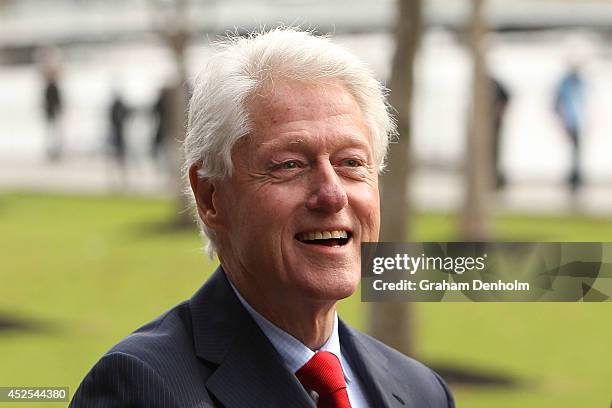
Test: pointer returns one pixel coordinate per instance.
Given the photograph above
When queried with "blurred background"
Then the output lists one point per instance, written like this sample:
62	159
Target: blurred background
505	118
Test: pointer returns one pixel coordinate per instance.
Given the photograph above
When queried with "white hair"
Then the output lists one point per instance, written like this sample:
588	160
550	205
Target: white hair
219	113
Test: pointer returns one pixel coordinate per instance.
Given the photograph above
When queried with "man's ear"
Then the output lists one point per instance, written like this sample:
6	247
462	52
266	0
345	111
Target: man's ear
204	192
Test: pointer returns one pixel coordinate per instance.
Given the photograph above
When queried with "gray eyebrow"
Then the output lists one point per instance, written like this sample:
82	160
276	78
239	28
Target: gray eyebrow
272	142
300	140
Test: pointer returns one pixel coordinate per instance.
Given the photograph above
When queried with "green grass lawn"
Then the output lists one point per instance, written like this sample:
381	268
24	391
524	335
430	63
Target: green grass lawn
94	269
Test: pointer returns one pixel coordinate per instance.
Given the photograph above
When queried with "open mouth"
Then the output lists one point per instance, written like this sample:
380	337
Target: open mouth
327	238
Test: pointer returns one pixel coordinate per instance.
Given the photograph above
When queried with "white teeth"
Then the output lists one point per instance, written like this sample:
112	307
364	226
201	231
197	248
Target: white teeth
311	236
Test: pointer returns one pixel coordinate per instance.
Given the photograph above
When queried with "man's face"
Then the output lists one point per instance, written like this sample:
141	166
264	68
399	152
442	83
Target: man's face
303	195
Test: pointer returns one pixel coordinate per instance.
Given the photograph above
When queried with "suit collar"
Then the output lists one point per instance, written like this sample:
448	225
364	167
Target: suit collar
250	372
381	387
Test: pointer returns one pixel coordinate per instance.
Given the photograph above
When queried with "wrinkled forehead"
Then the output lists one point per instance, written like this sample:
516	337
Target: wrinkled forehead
284	95
290	107
306	117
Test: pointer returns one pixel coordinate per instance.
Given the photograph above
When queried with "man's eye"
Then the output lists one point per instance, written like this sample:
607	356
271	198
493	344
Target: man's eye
288	165
352	163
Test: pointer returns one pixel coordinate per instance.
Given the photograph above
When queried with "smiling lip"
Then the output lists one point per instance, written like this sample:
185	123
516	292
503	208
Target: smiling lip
327	249
327	241
323	234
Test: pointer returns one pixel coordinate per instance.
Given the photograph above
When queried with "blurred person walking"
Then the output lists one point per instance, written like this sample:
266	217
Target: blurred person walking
501	99
570	108
53	109
161	114
118	114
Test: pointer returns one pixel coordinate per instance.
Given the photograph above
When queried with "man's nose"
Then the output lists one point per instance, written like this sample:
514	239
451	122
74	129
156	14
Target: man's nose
327	193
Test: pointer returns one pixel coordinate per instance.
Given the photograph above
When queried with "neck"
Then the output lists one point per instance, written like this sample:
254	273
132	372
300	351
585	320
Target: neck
312	328
309	321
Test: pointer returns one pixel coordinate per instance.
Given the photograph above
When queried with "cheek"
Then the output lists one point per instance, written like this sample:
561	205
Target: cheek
268	212
371	224
366	204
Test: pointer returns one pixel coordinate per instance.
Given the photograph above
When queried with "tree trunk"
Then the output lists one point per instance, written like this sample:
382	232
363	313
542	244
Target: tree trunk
392	323
174	30
476	219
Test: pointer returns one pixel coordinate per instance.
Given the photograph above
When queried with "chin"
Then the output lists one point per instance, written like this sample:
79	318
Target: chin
331	288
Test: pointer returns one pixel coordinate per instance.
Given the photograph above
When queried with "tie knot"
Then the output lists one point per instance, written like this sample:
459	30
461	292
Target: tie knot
322	374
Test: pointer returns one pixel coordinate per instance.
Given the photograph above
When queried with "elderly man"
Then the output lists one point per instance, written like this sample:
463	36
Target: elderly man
287	133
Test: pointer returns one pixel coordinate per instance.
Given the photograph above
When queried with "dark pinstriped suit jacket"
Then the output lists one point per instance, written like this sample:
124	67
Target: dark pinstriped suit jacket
209	352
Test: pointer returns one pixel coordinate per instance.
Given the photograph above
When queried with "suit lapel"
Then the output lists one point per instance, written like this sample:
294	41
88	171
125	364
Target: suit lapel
252	375
250	372
381	388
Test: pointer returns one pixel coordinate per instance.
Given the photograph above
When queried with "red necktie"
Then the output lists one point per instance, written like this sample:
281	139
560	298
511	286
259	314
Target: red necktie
323	374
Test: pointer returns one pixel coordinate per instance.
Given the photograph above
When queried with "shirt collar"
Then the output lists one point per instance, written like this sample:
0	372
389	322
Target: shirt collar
293	352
